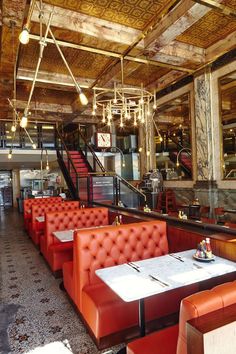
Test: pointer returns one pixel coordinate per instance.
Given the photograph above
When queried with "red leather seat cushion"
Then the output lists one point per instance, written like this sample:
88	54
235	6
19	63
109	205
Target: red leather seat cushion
59	253
162	342
105	312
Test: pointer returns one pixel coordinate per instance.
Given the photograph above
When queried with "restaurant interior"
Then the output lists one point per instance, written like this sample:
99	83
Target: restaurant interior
118	176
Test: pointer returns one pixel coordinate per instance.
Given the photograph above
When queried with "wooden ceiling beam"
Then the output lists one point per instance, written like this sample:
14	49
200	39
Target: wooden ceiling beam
140	60
183	51
217	6
221	47
167	79
45	107
177	21
51	78
88	25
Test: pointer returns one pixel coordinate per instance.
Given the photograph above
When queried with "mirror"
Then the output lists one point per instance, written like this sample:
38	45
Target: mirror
227	89
173	138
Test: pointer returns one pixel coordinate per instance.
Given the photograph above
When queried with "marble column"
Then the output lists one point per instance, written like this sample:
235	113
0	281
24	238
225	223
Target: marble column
15	186
205	187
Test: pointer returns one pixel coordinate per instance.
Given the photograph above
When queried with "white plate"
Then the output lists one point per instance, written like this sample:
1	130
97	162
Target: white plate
204	259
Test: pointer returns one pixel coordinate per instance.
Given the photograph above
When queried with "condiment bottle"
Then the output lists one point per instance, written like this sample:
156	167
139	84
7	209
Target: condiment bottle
208	248
120	219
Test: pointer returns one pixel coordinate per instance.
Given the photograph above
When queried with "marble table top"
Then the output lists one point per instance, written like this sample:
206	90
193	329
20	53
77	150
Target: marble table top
68	235
65	235
160	274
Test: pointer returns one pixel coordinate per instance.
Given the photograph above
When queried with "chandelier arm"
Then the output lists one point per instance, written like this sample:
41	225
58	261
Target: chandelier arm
42	46
77	86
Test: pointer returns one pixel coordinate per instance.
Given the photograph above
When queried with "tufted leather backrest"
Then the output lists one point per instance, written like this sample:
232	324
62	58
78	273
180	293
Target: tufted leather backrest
202	303
70	220
42	208
29	202
113	245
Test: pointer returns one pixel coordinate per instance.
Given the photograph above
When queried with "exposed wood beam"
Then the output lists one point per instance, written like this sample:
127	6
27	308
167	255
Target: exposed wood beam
45	107
113	54
88	25
183	50
175	23
165	80
51	78
221	47
226	10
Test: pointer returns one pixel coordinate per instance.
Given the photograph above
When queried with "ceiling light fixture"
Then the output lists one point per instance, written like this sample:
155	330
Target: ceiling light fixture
24	36
127	103
24	121
10	154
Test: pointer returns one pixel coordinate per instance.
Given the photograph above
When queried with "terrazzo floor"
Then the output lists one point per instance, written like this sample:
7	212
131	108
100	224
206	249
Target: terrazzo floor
36	317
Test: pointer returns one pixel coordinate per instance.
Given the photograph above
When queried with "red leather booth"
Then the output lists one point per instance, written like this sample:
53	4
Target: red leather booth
56	252
27	203
102	310
37	228
173	340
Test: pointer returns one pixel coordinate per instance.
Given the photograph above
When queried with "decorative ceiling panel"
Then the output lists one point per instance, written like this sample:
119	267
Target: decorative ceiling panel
83	64
44	94
141	73
132	13
210	29
230	3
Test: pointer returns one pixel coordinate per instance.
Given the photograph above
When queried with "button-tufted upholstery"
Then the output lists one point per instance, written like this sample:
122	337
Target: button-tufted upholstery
173	340
41	209
109	246
56	252
27	204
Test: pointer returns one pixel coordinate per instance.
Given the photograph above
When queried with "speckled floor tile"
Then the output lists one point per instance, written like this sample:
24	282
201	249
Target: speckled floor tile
37	316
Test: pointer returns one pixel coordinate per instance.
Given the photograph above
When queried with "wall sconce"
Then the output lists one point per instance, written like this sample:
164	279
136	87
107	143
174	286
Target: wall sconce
177	158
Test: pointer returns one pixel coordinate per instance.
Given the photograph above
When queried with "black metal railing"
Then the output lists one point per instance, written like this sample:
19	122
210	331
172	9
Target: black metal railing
97	184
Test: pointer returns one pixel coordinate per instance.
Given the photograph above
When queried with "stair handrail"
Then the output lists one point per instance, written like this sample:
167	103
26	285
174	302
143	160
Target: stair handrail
90	148
103	170
67	151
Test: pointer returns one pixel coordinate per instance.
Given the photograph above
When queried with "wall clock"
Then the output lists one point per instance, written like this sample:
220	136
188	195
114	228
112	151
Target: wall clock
103	140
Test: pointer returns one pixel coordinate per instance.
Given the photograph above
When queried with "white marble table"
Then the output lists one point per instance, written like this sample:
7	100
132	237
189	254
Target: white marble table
68	235
65	235
40	218
137	284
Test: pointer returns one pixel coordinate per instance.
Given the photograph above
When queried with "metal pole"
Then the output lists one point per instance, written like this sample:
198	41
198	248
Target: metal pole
65	62
42	46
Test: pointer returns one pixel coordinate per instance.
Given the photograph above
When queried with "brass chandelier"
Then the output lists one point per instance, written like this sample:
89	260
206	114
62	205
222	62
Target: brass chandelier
127	103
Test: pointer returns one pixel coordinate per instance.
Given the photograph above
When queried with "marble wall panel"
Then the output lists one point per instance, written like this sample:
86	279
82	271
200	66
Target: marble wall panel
203	127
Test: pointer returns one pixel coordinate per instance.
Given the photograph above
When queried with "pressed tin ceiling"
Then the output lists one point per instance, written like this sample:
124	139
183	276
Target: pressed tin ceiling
161	41
132	13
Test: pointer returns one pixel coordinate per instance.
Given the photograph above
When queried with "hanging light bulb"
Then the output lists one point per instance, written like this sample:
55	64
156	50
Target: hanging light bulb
161	139
123	163
9	154
13	128
83	98
93	113
34	146
24	36
140	149
47	166
23	122
148	153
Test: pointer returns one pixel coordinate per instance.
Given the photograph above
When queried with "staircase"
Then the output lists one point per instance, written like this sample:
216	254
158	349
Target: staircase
86	177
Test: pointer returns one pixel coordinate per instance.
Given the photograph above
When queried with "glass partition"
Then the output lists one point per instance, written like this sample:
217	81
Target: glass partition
173	138
227	89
